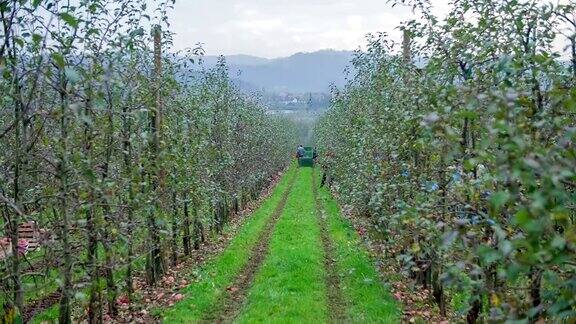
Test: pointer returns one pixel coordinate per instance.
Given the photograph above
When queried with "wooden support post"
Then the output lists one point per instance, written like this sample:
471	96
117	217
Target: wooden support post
155	262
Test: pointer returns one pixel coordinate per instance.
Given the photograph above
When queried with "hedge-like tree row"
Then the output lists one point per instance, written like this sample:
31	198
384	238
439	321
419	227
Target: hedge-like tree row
460	145
116	150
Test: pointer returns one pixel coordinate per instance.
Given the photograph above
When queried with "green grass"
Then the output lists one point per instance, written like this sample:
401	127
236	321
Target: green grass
203	295
45	282
38	284
52	313
49	315
290	286
367	299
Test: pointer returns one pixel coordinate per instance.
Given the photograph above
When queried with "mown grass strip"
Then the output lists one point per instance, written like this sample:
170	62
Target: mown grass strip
367	298
202	296
290	286
231	303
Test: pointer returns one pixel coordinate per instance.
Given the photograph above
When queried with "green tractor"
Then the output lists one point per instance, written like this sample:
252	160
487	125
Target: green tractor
308	159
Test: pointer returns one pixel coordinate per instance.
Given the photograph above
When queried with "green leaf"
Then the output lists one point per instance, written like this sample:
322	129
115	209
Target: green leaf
69	19
58	59
19	41
470	164
498	200
522	218
36	38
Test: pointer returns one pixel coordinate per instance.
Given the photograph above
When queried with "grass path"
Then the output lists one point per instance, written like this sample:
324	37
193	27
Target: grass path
227	309
290	286
298	260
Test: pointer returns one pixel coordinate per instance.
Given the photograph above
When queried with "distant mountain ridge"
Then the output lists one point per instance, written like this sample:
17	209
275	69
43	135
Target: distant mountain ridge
298	73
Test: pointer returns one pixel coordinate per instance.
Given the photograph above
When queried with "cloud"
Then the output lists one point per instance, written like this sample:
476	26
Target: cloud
260	26
355	22
281	27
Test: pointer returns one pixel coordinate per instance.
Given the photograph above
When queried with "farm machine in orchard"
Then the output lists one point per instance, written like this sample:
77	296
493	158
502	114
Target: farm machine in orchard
307	160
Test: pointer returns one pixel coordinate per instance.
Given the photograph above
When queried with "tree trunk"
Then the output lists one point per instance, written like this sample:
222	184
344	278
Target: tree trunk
474	312
107	240
94	301
111	289
67	293
20	140
128	200
94	308
438	290
573	48
186	236
198	230
174	243
535	283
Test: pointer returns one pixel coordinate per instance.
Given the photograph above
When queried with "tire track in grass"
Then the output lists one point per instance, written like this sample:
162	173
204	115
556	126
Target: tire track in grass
230	305
366	297
290	286
202	296
336	305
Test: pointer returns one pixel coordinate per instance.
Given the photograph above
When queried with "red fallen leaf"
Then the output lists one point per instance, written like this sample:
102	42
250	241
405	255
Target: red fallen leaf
169	279
232	289
122	300
160	295
178	297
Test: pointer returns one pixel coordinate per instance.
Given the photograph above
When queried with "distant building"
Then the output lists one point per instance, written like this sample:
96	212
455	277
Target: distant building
280	112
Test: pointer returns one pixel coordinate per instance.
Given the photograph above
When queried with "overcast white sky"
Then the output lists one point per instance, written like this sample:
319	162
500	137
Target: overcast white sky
276	28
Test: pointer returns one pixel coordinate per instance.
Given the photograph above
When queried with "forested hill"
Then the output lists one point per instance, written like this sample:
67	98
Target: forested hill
298	73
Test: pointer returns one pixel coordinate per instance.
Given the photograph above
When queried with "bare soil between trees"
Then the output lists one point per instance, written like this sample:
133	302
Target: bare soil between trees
230	306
